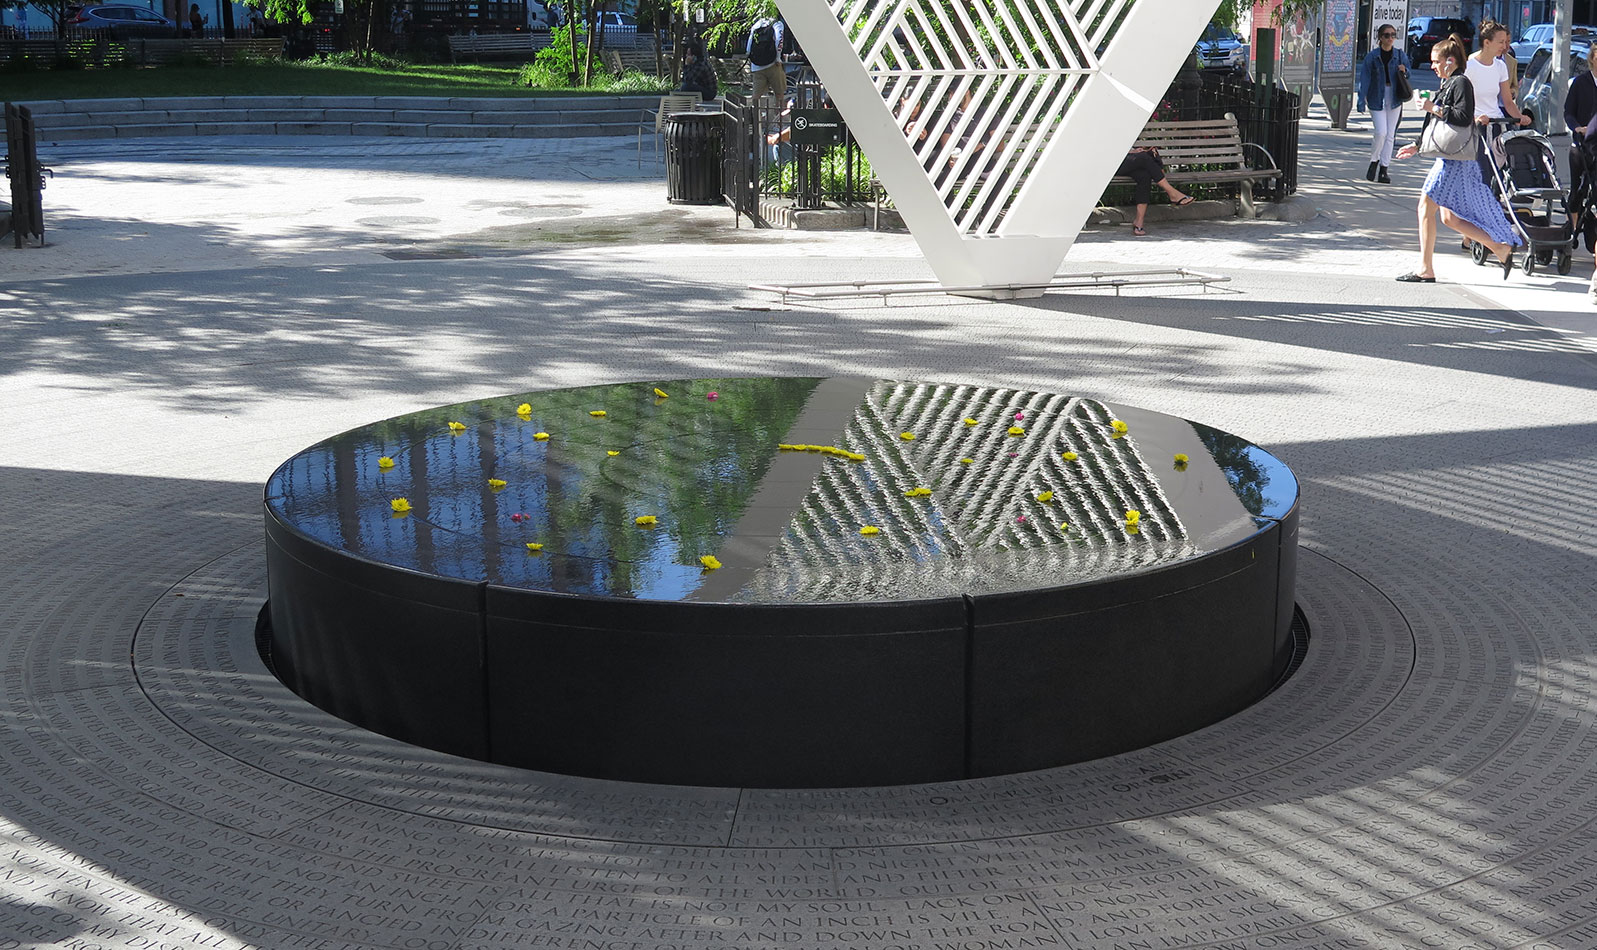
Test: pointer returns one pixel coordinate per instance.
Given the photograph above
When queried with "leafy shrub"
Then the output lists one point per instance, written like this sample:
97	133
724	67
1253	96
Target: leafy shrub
370	59
782	179
632	81
552	68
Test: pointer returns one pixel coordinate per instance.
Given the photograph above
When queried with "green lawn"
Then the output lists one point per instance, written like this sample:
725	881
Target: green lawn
286	79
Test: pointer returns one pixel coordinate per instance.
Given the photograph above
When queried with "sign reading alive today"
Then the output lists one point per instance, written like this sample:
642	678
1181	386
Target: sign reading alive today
1388	13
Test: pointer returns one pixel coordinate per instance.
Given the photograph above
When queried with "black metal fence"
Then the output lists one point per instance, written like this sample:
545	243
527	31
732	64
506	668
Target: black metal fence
764	162
1266	116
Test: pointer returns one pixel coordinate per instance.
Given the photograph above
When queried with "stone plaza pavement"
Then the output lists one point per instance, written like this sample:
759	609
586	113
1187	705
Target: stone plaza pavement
209	307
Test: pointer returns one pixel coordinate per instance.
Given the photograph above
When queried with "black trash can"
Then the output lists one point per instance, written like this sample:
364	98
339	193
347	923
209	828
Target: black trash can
694	143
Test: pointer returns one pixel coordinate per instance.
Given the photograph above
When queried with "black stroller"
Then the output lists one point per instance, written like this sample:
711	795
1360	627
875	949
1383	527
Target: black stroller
1526	172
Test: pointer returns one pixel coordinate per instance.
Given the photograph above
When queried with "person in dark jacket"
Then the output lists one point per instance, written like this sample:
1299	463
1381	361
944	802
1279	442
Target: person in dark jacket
1454	185
1580	115
697	76
1377	78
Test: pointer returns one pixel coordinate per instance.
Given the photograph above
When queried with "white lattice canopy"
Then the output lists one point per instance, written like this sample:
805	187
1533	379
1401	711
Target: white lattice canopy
996	124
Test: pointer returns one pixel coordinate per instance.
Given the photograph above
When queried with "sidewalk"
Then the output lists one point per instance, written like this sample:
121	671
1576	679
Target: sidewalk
212	307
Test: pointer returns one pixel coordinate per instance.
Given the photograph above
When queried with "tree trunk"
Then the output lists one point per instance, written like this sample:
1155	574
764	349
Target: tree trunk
572	13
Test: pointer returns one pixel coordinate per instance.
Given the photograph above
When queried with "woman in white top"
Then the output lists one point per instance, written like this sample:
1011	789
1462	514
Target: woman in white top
1490	77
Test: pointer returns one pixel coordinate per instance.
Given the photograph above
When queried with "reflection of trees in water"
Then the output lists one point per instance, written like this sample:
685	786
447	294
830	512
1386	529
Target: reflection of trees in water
1236	459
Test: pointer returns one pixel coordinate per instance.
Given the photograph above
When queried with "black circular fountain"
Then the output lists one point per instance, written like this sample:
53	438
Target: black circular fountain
782	582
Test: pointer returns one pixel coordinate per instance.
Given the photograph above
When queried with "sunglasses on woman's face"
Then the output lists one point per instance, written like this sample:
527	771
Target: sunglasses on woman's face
1388	36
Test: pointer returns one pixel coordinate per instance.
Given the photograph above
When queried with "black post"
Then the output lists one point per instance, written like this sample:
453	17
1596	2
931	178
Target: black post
27	176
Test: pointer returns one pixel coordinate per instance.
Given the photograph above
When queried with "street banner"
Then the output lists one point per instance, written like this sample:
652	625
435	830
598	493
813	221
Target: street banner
1339	64
1392	13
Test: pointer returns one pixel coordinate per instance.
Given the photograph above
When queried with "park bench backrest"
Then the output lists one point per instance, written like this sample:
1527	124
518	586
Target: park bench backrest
1197	142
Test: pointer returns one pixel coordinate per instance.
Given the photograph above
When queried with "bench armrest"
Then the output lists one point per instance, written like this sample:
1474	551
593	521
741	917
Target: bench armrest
1269	159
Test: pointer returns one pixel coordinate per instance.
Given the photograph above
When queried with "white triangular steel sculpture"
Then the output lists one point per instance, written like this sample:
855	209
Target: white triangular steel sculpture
996	124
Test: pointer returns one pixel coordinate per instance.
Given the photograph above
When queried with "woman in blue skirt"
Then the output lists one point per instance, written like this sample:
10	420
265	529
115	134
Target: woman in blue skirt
1454	185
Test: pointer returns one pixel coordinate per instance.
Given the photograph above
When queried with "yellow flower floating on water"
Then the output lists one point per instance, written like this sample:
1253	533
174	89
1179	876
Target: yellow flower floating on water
1069	456
661	393
966	461
612	453
644	521
907	436
1046	497
1016	430
496	483
1133	529
541	436
969	421
534	547
598	413
869	530
1181	458
822	449
1120	428
400	505
525	409
457	427
1133	517
1064	526
385	463
709	561
917	492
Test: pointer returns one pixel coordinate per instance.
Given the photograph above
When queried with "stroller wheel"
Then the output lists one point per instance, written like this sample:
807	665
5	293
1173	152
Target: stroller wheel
1566	261
1477	253
1530	264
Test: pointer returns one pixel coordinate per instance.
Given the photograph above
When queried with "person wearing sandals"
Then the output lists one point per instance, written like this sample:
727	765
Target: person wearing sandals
1378	76
1143	167
1454	185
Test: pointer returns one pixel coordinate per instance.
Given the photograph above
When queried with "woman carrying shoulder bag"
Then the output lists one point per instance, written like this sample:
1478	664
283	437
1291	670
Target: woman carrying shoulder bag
1454	185
1383	88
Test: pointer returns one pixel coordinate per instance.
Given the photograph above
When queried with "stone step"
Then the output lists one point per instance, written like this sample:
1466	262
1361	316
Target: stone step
552	117
419	130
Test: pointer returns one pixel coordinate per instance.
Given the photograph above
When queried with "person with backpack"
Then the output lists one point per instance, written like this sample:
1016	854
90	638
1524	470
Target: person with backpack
765	58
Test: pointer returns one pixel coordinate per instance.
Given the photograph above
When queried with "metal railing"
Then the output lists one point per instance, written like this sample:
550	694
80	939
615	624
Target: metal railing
763	162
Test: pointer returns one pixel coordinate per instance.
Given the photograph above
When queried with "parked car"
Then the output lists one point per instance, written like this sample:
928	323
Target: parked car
540	16
1220	48
121	17
1536	93
614	22
1534	36
1540	35
1425	32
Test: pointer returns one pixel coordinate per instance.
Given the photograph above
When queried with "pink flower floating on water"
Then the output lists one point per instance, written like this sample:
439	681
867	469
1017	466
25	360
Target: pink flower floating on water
712	395
1020	415
516	517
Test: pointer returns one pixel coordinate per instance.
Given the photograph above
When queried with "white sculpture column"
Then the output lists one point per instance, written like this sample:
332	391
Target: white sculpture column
996	124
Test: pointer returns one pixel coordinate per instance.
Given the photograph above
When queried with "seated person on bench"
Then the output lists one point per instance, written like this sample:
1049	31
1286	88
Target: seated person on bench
1143	167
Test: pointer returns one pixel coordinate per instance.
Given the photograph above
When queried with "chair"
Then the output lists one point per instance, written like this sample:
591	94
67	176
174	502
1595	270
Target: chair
655	118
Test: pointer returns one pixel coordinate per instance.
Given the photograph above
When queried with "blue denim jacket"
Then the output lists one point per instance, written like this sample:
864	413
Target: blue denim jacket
1373	80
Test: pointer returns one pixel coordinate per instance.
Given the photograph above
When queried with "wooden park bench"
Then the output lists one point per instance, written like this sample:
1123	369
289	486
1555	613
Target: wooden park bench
512	45
141	50
1205	151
